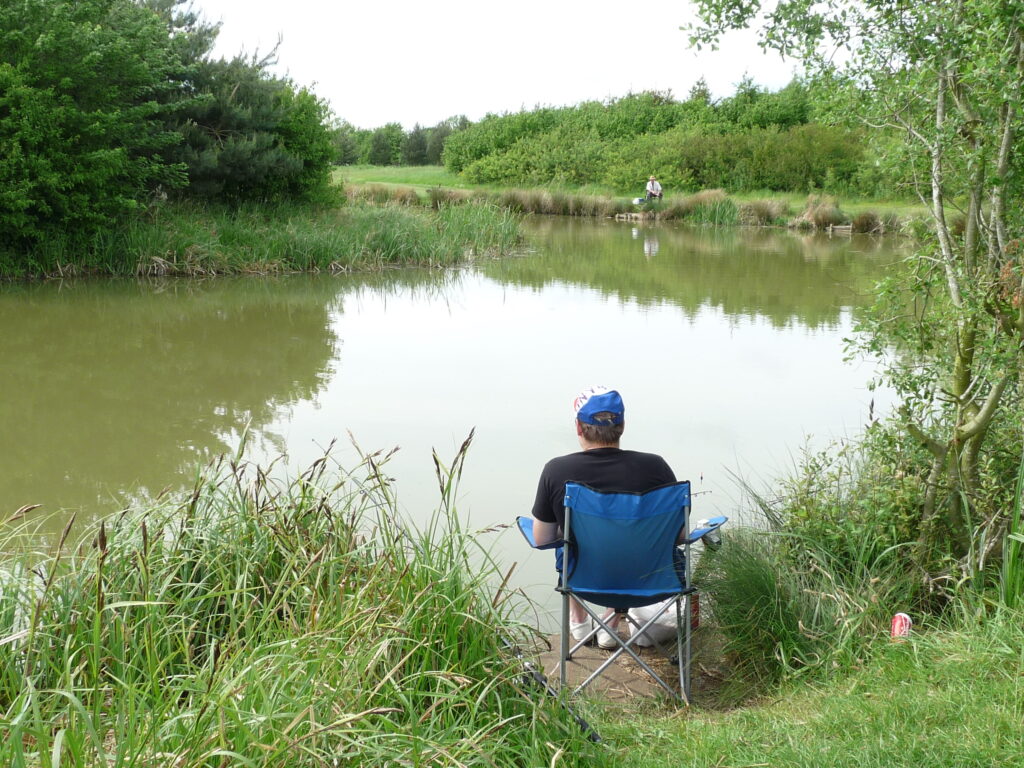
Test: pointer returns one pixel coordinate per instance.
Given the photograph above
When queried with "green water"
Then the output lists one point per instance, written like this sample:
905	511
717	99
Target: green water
726	345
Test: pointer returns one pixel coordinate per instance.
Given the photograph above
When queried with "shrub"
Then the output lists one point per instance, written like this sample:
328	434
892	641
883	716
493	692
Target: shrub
86	90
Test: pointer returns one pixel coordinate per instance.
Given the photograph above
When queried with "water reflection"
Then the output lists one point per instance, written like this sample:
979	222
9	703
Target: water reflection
116	389
650	242
781	276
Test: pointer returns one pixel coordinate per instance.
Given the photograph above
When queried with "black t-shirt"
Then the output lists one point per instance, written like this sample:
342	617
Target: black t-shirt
605	469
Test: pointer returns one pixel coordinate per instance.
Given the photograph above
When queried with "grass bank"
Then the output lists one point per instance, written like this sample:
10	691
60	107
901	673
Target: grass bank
429	185
192	240
945	698
256	622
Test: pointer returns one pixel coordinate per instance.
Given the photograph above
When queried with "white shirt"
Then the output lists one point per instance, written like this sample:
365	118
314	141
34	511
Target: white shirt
654	187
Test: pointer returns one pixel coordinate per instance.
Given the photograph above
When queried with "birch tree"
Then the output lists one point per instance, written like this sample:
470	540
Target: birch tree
946	76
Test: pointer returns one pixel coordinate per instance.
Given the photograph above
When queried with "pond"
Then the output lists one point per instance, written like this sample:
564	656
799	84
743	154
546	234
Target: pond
727	346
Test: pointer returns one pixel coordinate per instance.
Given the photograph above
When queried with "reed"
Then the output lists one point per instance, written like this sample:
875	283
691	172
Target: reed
380	194
186	240
441	196
484	230
710	206
1011	582
272	622
820	212
763	213
868	223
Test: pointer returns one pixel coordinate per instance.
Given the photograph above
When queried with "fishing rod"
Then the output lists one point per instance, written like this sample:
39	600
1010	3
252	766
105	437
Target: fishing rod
533	675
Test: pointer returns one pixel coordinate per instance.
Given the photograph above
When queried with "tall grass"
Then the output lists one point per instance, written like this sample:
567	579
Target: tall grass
820	212
811	590
182	239
787	605
380	193
267	622
764	212
711	206
1011	583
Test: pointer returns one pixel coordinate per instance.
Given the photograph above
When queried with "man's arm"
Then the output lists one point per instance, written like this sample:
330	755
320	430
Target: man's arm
544	533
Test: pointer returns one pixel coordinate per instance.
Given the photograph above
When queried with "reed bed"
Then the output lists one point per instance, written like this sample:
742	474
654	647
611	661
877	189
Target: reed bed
185	240
764	213
820	212
867	223
267	622
710	206
382	193
441	196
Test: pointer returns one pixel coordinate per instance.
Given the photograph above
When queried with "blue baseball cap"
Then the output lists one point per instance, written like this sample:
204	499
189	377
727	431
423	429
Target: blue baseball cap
595	400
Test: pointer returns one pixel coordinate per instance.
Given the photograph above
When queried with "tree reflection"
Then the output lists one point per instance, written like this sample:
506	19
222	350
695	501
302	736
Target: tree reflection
117	387
784	277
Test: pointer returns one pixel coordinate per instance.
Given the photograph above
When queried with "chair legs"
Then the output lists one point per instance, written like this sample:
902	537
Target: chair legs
625	646
565	655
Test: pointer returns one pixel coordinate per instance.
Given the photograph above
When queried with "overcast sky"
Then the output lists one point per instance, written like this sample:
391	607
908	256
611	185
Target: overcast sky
421	62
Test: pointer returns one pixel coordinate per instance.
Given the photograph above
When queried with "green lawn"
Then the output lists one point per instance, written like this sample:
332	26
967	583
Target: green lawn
944	699
417	176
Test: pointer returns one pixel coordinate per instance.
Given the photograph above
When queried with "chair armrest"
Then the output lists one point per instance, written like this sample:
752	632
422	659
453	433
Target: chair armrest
525	525
713	524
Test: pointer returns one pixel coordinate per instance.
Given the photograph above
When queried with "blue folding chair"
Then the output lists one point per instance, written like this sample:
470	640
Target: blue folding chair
620	552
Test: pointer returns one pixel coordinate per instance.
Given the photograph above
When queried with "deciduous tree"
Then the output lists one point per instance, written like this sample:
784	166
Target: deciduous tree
947	76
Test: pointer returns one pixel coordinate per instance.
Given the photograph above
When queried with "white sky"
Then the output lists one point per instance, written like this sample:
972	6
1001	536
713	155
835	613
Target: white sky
407	62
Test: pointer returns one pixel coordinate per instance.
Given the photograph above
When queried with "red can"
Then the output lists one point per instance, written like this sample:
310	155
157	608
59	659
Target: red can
901	624
694	611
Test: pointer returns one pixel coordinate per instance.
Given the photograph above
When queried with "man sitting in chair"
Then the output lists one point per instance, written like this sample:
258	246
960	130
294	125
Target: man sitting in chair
601	464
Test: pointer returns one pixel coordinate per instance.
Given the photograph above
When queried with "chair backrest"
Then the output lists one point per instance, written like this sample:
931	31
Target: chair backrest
621	547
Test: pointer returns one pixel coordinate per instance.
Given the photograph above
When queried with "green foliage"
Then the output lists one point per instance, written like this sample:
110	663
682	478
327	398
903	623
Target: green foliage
787	606
753	107
414	147
346	145
942	86
386	145
106	106
86	90
303	133
948	698
202	240
754	140
253	136
1011	582
494	133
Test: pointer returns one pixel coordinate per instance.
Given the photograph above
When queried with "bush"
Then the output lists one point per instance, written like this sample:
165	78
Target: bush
85	91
